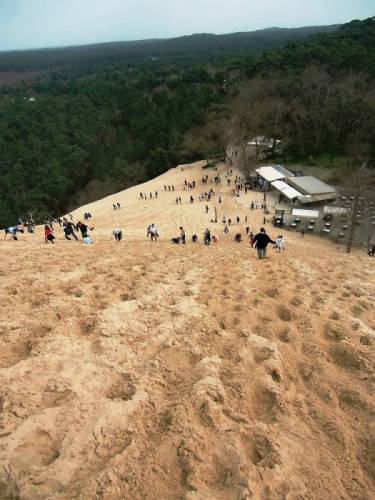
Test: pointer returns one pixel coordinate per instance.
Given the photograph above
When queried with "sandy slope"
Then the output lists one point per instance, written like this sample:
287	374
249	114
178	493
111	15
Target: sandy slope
139	370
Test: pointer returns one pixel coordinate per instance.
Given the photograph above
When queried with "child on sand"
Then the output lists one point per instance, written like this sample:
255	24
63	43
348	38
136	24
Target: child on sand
48	234
251	239
280	243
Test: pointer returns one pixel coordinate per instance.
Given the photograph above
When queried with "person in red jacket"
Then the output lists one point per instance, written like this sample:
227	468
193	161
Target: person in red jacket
48	234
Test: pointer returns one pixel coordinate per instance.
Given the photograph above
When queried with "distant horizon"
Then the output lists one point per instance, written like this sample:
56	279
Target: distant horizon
67	46
53	24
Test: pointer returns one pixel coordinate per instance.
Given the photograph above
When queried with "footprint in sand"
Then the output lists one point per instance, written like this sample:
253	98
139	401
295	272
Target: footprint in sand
37	450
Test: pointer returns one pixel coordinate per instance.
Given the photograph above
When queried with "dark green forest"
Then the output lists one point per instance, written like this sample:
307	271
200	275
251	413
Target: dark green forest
115	122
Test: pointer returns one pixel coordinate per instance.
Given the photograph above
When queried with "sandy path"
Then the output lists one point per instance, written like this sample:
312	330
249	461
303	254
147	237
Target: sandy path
141	370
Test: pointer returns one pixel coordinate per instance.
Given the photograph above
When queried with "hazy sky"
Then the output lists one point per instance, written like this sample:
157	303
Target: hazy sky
45	23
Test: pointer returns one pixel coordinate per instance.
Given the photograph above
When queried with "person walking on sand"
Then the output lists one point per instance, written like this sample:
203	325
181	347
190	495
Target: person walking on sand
117	233
83	228
238	238
182	235
68	228
152	232
261	241
48	234
207	237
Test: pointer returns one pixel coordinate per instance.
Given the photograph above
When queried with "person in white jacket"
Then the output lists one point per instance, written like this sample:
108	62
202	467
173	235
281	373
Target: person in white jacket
152	232
280	243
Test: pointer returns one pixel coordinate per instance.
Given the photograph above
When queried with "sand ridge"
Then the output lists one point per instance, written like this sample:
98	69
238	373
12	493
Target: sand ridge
150	370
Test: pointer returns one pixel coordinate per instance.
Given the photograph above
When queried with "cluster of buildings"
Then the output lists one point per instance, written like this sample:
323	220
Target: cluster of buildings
300	190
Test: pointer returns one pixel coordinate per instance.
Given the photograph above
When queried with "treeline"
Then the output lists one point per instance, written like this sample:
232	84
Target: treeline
350	48
204	44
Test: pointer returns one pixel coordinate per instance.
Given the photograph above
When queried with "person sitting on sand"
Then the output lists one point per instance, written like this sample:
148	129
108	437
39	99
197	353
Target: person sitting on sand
238	238
261	241
215	238
194	238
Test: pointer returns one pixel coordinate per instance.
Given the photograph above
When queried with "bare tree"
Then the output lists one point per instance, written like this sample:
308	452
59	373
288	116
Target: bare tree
217	136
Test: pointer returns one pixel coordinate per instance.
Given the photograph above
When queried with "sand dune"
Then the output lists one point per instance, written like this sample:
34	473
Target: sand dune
151	370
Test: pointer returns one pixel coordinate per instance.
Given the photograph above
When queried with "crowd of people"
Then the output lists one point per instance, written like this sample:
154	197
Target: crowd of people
81	230
260	241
